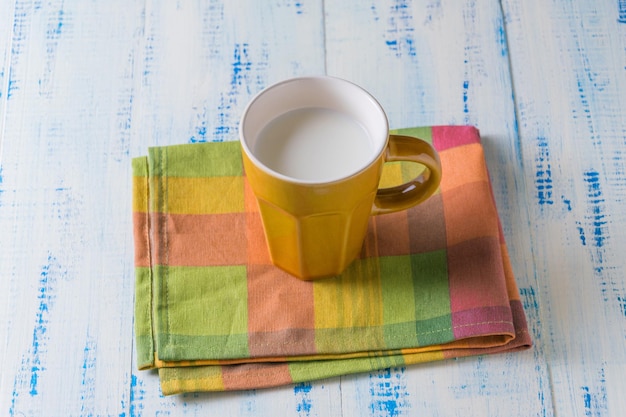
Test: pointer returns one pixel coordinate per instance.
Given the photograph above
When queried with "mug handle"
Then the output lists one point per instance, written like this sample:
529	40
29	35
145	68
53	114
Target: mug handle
401	197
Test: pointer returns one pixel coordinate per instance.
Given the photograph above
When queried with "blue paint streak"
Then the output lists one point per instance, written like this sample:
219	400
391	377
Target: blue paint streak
88	377
32	362
622	304
137	394
241	65
621	7
399	34
374	13
586	400
55	28
543	173
21	25
302	392
530	302
596	229
298	6
433	10
411	45
596	215
501	35
11	87
586	106
148	59
465	96
581	234
14	397
41	325
304	387
388	392
595	397
568	203
247	76
222	129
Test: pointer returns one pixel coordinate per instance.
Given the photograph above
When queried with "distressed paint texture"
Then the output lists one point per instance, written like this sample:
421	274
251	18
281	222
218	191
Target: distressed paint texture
388	393
66	89
572	132
85	86
458	74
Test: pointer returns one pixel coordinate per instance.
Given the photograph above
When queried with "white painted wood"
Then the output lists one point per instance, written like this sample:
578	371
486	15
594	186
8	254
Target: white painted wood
85	86
66	275
6	25
200	64
201	61
569	72
433	63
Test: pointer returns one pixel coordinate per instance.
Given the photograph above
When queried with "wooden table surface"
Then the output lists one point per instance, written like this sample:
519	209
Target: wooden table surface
87	85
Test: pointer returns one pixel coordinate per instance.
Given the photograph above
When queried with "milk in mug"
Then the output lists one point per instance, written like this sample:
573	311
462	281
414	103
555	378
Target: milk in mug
314	144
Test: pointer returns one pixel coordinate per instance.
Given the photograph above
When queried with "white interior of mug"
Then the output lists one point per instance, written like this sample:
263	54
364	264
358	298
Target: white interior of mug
313	92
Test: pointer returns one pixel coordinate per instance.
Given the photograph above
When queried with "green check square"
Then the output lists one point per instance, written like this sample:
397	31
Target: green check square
189	327
222	159
183	294
416	298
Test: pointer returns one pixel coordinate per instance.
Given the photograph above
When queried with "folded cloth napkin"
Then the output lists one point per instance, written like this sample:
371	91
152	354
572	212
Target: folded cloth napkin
212	313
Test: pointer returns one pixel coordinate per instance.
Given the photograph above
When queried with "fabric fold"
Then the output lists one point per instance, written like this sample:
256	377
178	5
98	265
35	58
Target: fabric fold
213	313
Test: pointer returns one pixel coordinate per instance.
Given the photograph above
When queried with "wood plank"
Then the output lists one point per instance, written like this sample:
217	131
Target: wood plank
568	66
432	63
66	243
6	30
84	87
200	63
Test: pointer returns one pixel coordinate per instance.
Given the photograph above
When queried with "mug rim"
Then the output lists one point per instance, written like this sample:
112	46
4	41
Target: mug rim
326	78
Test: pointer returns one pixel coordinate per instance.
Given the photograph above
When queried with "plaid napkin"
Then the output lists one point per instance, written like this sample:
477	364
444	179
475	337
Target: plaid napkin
212	313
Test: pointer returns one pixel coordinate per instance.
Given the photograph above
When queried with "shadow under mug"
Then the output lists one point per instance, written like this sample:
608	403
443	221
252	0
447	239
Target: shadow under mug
315	228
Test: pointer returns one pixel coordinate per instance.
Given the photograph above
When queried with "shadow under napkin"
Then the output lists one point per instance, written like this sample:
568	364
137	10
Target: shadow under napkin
212	313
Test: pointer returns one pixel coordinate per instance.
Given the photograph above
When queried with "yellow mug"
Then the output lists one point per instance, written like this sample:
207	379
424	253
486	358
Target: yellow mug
313	152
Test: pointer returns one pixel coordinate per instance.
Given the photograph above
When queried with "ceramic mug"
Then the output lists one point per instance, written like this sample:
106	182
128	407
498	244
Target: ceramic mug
313	152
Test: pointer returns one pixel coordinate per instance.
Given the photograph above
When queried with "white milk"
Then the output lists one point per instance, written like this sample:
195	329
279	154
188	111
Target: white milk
314	144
